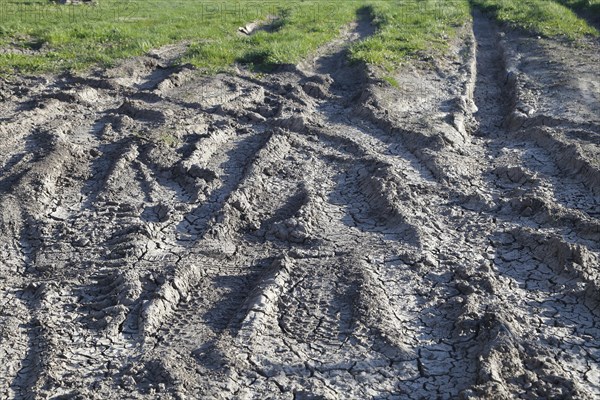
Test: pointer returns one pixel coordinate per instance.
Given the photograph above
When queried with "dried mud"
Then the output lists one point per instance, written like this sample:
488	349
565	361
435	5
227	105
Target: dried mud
307	233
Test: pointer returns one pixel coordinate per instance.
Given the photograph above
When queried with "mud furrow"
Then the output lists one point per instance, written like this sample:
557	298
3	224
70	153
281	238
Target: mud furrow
502	333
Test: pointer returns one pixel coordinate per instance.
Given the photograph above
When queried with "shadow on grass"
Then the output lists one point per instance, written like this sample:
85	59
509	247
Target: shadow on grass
262	60
585	9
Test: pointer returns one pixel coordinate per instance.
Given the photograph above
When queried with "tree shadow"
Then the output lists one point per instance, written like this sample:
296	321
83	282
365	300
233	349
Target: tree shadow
585	9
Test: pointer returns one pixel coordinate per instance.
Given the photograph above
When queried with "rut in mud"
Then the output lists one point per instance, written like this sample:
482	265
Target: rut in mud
310	233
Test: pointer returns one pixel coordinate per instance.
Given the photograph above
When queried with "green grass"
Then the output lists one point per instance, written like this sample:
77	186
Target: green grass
406	29
588	9
543	17
592	7
43	36
300	28
391	80
78	36
38	35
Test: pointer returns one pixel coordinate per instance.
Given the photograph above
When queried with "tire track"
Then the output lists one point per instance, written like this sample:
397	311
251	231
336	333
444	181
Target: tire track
500	322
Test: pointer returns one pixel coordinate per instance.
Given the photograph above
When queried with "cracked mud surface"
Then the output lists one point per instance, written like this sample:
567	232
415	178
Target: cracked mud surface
310	233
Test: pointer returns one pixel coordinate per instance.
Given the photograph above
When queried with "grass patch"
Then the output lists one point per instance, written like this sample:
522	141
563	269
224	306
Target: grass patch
45	36
410	28
392	81
300	28
41	36
543	17
591	6
38	35
589	9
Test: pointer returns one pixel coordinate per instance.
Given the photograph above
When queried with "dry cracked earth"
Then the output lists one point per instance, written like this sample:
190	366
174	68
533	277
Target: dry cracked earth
311	233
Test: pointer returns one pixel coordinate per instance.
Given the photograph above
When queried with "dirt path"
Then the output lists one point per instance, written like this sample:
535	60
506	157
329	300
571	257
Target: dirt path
304	234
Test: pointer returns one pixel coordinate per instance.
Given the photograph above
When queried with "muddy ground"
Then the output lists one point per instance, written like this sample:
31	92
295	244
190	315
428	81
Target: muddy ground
310	233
